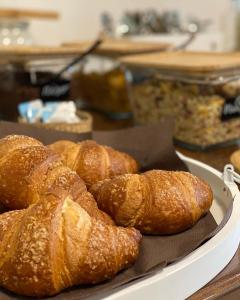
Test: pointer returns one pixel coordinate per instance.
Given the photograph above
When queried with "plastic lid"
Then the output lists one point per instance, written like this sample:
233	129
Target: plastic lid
194	63
121	47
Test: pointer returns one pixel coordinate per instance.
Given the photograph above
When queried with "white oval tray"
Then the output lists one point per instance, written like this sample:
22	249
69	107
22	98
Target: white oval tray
180	280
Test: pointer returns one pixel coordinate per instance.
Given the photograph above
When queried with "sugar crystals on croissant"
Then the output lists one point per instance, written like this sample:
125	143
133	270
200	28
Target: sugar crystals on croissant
28	169
94	162
155	202
54	244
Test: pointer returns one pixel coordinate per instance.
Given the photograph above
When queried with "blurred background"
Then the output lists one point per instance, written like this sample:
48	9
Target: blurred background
82	65
83	19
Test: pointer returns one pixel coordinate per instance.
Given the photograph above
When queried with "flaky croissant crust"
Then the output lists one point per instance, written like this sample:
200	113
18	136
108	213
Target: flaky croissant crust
55	244
235	159
155	202
94	162
29	169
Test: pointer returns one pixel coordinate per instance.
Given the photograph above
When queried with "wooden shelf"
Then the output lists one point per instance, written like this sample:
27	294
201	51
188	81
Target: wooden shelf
27	13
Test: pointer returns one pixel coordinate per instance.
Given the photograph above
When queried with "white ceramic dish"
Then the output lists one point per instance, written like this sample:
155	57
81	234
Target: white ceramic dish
180	280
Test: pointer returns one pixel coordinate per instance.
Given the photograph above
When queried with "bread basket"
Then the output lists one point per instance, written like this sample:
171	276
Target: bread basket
85	125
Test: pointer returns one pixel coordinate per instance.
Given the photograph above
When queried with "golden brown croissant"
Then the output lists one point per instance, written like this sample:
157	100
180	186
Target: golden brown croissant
55	244
94	162
235	159
155	202
28	169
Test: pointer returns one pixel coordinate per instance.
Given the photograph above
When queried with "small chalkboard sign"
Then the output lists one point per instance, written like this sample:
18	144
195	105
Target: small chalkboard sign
231	108
57	89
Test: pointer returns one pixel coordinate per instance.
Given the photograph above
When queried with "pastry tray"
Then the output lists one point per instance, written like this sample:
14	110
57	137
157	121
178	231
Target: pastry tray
183	278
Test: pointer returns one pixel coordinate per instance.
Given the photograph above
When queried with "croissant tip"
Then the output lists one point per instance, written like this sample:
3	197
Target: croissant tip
234	158
137	235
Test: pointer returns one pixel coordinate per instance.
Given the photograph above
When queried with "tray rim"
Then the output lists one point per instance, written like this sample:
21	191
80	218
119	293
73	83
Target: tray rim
142	288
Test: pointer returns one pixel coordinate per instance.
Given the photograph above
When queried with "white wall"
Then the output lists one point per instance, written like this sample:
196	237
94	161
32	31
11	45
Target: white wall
80	18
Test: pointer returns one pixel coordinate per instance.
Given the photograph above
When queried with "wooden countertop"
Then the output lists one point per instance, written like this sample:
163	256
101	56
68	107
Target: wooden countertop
216	158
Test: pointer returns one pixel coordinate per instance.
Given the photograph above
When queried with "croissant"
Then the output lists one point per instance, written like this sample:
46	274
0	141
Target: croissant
235	159
155	202
94	162
28	169
54	244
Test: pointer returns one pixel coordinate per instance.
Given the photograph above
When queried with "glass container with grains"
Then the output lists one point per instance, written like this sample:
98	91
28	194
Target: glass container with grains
200	90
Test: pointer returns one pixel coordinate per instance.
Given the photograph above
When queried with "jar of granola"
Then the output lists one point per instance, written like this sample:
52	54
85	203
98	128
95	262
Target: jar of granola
201	91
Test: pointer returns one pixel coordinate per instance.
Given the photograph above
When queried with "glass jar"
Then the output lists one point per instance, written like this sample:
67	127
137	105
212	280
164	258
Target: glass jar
100	84
21	82
14	32
205	104
100	81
